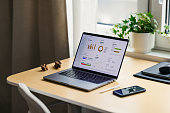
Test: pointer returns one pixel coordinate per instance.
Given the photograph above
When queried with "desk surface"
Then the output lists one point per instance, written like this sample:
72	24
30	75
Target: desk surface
156	99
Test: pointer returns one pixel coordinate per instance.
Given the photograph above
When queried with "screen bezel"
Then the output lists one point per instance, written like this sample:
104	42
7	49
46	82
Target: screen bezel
103	36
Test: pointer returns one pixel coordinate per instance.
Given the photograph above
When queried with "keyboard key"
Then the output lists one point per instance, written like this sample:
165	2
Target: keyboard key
86	76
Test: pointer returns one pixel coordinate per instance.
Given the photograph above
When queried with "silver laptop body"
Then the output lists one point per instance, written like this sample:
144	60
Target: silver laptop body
97	62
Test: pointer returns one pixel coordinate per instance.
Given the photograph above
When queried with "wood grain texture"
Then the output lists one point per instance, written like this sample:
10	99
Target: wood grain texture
154	100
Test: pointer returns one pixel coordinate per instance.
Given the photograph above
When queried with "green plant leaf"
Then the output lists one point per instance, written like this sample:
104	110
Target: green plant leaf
125	21
120	35
150	15
139	23
132	18
166	27
114	31
116	26
124	28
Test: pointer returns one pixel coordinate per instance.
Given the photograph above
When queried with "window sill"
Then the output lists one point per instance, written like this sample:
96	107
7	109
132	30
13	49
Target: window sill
155	55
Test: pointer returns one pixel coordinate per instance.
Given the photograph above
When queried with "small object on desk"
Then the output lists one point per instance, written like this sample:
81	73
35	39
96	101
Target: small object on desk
141	75
165	69
129	91
44	67
114	87
57	64
153	71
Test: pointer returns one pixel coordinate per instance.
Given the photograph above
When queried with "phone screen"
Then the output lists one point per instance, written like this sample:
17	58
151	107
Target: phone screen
129	90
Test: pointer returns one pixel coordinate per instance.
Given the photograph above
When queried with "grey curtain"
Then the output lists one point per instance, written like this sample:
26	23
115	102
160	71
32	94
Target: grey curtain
39	32
32	32
5	54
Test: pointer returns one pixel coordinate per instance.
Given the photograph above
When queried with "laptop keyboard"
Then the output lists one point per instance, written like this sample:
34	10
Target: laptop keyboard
86	76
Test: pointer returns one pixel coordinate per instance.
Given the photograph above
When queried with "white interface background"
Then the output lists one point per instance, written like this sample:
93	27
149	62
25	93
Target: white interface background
100	54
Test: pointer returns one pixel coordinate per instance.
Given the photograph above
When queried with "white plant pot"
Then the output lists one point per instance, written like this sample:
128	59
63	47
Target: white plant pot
142	42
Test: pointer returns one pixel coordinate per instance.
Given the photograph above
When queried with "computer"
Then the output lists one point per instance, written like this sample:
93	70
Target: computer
97	62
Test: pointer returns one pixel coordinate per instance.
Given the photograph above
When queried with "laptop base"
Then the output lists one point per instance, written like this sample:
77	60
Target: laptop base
80	84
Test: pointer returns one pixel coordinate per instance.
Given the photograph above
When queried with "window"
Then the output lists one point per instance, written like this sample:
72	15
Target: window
167	15
110	12
113	11
160	10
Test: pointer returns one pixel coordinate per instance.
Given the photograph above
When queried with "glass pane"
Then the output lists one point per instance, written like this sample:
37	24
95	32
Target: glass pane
113	11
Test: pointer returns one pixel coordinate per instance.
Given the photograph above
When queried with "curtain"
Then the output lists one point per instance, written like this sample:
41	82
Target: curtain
32	32
5	54
39	33
84	19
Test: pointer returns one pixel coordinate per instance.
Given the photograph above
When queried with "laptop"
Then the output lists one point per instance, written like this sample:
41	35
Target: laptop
97	62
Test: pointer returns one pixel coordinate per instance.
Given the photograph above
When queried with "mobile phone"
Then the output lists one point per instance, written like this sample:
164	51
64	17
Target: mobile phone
129	91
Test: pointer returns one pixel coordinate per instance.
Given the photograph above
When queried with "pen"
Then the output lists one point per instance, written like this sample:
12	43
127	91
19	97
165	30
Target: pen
114	87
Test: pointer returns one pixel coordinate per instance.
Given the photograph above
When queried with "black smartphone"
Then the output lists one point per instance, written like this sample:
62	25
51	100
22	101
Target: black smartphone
129	91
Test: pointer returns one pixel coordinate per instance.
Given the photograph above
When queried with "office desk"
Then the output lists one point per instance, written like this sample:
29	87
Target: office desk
156	99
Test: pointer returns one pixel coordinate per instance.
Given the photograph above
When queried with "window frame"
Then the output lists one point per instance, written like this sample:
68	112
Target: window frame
158	9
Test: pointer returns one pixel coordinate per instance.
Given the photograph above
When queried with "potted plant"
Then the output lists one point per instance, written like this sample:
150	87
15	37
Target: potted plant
140	29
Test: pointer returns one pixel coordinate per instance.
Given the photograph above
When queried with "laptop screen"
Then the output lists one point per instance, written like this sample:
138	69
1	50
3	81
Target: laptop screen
100	54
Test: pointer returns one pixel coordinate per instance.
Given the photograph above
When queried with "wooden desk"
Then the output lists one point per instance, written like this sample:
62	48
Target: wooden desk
156	99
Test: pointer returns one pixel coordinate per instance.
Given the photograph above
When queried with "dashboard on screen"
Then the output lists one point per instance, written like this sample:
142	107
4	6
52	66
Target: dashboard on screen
100	54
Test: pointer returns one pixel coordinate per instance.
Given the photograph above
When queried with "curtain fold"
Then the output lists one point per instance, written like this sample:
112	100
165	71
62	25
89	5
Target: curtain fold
5	54
32	32
52	23
84	19
25	35
39	33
